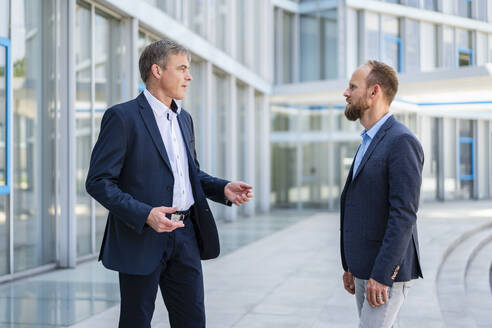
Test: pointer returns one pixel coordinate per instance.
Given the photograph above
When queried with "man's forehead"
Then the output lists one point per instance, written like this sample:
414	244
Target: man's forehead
179	59
360	74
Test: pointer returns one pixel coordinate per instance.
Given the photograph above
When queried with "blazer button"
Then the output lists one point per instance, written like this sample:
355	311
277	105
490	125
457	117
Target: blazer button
169	188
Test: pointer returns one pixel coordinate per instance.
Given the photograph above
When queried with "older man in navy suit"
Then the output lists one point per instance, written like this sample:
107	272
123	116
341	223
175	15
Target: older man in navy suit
379	203
144	170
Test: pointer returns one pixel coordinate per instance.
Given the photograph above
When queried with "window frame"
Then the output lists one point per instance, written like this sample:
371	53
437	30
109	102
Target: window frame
4	42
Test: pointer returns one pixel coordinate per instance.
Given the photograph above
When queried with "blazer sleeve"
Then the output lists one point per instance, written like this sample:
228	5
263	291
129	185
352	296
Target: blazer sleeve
406	160
106	162
212	187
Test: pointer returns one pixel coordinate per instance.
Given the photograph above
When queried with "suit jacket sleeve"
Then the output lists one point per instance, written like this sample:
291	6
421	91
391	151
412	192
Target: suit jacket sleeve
107	160
404	180
212	187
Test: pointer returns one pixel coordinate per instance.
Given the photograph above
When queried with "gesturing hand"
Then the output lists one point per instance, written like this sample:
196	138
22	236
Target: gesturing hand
159	222
376	293
238	192
349	282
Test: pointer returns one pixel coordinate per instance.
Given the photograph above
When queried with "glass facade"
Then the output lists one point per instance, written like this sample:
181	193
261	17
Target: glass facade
390	27
4	215
372	39
428	46
34	125
99	84
196	16
412	49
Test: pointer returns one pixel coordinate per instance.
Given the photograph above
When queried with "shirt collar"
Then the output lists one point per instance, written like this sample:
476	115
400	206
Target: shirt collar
158	107
374	130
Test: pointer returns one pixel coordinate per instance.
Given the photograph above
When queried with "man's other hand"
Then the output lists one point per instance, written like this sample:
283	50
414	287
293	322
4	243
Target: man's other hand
238	192
159	222
376	293
349	282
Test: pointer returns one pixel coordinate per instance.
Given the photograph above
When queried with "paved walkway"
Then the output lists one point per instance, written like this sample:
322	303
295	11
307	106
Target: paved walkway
283	270
292	278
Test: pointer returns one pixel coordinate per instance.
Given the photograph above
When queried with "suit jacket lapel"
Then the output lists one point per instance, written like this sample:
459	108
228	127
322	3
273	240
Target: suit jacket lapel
149	120
183	126
377	138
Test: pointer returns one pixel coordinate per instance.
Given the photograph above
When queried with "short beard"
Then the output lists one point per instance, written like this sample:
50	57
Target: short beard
354	112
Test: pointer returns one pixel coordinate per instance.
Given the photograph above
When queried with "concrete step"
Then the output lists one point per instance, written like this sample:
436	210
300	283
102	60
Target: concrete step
477	283
450	279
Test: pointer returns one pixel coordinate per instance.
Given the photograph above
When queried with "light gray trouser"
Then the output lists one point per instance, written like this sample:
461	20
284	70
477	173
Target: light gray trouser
383	316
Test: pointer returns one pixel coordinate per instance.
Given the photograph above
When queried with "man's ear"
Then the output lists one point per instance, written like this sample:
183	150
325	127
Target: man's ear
156	71
376	89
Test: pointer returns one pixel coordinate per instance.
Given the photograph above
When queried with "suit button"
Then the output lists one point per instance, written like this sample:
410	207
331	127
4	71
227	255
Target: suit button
169	188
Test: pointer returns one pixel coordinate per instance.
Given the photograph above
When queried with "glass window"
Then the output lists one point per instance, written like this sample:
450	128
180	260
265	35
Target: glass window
448	6
240	30
4	222
287	47
482	10
4	18
258	36
94	94
372	36
259	144
430	4
489	10
220	21
490	48
428	49
329	41
391	42
412	45
449	56
464	8
310	48
219	124
413	3
34	132
284	192
482	50
464	47
83	127
196	16
3	114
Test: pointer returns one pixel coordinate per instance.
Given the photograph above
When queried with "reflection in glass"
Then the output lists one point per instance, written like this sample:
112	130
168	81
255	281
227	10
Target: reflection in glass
329	41
220	24
34	131
4	18
284	192
83	126
372	36
391	41
310	48
3	112
314	191
4	236
196	16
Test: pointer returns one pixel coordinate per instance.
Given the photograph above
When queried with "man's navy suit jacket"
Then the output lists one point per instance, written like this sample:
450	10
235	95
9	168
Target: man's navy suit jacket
130	173
378	211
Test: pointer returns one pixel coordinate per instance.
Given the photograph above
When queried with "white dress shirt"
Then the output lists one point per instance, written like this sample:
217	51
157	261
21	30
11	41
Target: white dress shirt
167	122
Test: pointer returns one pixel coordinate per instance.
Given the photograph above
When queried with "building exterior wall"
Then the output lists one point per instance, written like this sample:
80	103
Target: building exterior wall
71	60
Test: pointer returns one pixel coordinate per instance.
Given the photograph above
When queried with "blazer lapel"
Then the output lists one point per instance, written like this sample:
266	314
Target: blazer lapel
183	126
149	120
377	138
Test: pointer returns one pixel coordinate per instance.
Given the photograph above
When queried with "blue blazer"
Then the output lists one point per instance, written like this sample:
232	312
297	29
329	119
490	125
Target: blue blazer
130	173
378	211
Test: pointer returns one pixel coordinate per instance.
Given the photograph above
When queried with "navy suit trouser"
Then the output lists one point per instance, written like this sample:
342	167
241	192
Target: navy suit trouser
179	276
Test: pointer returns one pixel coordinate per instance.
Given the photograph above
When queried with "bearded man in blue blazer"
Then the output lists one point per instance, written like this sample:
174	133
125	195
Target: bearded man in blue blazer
144	170
379	203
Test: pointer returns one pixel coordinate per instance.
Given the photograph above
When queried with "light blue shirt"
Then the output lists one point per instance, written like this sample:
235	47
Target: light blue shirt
367	137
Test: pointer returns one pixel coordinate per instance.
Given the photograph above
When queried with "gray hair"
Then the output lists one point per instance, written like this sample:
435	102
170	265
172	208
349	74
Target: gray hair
158	52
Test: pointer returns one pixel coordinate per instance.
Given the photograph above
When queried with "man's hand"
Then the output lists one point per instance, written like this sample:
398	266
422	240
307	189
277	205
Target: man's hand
376	293
349	282
159	222
238	192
